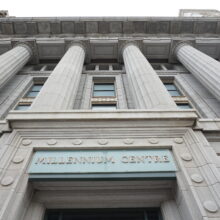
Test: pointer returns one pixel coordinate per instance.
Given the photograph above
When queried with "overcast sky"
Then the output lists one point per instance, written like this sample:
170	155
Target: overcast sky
30	8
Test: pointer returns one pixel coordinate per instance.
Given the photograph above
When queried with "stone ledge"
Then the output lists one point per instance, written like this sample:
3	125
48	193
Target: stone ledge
4	126
209	124
108	25
119	118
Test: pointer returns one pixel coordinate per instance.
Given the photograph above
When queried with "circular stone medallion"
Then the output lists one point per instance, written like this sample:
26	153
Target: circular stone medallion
197	178
51	142
8	180
210	206
18	159
128	141
103	141
26	142
153	141
186	157
77	142
178	140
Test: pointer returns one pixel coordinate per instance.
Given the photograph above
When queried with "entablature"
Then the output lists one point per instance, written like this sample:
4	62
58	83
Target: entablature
154	48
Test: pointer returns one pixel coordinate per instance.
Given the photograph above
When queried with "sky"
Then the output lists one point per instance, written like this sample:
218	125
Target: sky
48	8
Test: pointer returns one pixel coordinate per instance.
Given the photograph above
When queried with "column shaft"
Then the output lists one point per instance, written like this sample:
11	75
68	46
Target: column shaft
149	92
202	66
13	61
59	91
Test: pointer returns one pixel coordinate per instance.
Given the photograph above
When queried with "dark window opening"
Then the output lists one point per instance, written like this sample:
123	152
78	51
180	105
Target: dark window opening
184	105
90	67
103	67
104	106
104	214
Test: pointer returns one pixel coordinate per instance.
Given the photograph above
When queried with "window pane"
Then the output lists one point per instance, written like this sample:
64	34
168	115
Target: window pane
104	107
170	86
184	106
174	93
103	93
22	107
36	88
104	87
32	94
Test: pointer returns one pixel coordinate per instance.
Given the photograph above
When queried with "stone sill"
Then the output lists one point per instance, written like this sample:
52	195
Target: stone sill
209	124
91	118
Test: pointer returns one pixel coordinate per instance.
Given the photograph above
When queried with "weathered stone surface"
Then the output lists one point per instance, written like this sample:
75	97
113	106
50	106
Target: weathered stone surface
44	27
115	27
103	27
187	27
20	27
139	26
7	28
55	28
67	27
91	27
128	27
205	27
175	27
32	28
80	28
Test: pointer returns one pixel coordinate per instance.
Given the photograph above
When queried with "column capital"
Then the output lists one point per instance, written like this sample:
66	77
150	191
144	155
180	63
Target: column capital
181	44
129	43
25	45
77	43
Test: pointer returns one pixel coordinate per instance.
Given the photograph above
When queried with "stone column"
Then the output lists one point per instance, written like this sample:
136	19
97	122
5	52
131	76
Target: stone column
59	91
149	92
202	66
13	61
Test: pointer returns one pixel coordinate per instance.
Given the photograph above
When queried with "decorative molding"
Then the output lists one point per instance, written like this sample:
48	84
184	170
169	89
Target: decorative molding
52	142
210	206
26	142
178	140
186	157
197	178
128	141
77	142
6	181
103	142
18	159
153	141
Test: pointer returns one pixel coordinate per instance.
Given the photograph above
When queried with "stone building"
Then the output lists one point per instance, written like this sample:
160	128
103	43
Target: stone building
110	118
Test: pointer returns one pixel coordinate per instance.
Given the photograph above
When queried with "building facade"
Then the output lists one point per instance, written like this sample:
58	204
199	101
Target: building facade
106	118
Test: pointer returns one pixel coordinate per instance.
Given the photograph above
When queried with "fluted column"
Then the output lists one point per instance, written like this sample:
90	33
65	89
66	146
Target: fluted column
13	61
149	92
59	91
202	66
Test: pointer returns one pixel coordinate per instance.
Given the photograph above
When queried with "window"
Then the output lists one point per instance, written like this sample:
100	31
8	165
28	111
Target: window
34	90
103	94
22	107
172	89
104	89
181	100
104	214
27	100
184	105
104	106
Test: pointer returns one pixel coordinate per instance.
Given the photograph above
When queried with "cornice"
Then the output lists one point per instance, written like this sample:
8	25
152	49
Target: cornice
147	118
117	26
